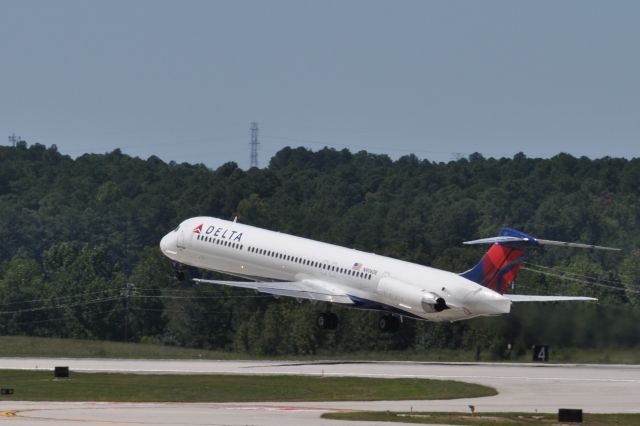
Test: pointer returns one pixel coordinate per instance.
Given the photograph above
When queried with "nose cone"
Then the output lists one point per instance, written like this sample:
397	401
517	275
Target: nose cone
168	244
488	302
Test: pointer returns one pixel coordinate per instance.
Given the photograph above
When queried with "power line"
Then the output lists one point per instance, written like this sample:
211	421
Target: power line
257	296
567	272
70	305
567	278
132	292
56	298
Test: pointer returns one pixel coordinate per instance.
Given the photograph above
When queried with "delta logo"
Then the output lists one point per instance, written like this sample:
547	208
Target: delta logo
223	233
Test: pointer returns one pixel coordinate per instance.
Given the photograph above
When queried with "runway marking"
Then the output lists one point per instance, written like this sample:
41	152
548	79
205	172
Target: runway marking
17	413
26	411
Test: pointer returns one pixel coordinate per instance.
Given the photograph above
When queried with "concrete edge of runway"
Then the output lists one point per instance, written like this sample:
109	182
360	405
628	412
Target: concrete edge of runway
294	362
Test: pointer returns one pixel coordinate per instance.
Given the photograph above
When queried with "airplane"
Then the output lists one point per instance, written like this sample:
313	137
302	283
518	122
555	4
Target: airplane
285	265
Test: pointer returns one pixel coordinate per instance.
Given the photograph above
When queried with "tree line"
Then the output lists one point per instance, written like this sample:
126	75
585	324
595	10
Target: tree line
79	255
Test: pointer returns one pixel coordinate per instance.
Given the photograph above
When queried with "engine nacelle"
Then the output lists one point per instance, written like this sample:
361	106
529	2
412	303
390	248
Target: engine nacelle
431	302
409	297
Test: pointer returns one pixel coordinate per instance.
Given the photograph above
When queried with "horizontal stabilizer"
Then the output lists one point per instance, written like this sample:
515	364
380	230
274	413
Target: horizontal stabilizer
576	245
534	298
512	237
307	289
501	239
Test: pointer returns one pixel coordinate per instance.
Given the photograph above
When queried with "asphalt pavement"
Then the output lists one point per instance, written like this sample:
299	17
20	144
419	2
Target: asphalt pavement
521	387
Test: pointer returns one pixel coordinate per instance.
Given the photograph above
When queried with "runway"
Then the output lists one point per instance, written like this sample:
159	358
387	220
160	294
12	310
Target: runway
521	387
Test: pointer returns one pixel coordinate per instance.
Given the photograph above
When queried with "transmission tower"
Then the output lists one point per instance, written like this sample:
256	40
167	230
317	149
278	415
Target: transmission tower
14	139
254	144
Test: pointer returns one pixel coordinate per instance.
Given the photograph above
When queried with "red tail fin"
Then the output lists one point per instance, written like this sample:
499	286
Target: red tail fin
497	268
500	264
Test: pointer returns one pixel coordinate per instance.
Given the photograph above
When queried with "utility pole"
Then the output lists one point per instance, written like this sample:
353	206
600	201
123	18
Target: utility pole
254	144
127	292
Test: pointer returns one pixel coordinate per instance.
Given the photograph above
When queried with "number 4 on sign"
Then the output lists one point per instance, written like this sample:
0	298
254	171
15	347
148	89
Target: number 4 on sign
541	353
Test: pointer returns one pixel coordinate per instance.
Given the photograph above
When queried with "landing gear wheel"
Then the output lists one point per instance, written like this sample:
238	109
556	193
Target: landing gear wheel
327	321
388	323
178	271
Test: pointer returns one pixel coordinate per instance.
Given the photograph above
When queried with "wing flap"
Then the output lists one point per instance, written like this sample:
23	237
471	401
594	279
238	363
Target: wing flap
535	298
306	289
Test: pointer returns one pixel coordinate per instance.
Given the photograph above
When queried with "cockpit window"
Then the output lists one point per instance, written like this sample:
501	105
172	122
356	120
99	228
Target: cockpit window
177	227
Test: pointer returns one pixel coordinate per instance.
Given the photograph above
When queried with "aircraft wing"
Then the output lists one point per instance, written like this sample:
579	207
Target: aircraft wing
305	289
534	298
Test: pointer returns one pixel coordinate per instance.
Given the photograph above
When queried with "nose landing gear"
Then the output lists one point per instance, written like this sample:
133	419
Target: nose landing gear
178	271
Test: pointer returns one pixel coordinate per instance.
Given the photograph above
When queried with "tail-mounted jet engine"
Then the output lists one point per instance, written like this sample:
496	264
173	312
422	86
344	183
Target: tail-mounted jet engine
431	302
409	297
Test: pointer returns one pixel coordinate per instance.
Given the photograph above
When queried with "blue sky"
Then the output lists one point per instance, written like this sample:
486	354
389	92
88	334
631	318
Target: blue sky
183	79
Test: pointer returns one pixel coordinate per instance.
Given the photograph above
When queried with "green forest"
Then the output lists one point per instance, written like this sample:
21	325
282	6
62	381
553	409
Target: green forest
79	254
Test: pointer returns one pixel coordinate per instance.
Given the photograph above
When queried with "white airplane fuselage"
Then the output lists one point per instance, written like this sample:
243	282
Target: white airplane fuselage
367	279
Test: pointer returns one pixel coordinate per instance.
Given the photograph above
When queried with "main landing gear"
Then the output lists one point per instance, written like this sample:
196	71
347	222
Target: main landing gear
386	323
327	321
389	323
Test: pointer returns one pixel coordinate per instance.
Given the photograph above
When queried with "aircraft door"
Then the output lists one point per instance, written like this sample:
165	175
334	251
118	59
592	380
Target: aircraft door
384	275
180	241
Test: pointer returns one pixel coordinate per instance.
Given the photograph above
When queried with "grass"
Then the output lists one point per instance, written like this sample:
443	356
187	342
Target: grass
483	419
22	346
41	386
